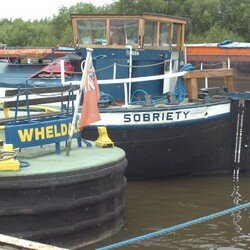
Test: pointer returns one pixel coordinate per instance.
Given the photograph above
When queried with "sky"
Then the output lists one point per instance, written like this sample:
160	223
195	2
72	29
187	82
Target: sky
39	9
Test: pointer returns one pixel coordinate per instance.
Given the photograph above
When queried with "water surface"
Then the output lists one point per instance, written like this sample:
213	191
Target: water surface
158	204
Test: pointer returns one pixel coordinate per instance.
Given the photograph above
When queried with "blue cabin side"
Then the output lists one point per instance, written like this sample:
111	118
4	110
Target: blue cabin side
149	42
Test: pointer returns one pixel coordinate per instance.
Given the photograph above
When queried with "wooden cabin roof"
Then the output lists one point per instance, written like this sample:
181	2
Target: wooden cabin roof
146	16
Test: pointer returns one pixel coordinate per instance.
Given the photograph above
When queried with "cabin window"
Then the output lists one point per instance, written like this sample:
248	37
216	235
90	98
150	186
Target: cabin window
176	34
124	32
138	31
165	35
150	33
92	31
132	27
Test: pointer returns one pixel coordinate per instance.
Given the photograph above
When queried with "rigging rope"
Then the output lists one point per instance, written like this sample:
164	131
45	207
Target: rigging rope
107	97
176	227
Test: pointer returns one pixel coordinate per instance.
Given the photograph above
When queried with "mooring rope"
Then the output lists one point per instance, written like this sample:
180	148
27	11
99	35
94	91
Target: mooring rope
176	227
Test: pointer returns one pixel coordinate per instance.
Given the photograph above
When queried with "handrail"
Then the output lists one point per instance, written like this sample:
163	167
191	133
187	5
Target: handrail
142	78
125	81
190	77
135	79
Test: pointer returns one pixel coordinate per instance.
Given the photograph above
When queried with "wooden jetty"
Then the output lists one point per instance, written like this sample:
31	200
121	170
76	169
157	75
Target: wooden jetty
8	242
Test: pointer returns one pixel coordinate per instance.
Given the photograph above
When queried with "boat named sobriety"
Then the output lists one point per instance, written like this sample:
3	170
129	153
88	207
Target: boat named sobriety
151	102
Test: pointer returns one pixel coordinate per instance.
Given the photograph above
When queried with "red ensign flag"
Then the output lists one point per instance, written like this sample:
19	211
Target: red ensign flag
90	111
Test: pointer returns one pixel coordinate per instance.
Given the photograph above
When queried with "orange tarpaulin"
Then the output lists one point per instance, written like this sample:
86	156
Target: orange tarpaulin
32	53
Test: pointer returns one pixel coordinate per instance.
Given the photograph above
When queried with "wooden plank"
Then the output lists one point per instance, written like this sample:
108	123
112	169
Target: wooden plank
25	244
108	31
75	32
214	50
41	90
192	89
53	99
158	34
163	18
146	16
183	36
228	80
208	73
178	34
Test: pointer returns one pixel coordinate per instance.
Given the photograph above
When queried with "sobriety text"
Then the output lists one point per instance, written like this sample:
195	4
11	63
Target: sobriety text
156	116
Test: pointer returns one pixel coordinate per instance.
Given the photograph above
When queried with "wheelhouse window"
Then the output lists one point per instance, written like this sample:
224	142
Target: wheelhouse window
176	36
92	31
132	27
165	38
146	30
124	32
150	33
162	34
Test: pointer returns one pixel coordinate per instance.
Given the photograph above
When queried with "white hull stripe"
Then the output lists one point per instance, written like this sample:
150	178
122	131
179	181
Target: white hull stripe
162	116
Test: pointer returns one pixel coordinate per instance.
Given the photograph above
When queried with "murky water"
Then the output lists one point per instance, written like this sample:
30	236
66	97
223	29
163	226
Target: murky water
159	204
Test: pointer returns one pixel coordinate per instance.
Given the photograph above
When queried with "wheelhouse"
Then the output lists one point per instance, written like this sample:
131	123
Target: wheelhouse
131	46
140	31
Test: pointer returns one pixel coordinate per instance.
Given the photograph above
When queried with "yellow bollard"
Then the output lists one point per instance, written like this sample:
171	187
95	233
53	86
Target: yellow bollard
103	140
7	158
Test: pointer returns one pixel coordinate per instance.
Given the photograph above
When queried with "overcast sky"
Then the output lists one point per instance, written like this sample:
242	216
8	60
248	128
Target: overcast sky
39	9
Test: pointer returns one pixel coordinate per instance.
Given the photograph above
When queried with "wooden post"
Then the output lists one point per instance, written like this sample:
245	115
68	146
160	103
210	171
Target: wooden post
192	89
228	80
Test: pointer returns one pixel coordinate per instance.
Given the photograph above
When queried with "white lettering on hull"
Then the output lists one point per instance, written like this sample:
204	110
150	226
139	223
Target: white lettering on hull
140	117
155	116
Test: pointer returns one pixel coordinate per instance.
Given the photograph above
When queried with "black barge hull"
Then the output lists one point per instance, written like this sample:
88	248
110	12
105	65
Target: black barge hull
67	208
189	148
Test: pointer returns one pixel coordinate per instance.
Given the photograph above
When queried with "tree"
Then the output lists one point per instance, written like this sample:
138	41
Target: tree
207	21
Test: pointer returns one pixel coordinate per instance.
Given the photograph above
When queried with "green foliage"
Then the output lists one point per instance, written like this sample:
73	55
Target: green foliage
214	34
207	21
156	6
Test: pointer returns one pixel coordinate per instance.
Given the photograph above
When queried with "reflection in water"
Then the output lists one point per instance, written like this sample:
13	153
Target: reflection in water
241	239
237	201
158	204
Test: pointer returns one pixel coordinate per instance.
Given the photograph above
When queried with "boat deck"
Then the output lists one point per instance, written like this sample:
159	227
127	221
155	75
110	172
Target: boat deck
43	160
65	201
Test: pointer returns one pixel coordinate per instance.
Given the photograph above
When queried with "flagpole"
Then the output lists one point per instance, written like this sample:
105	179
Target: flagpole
78	99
